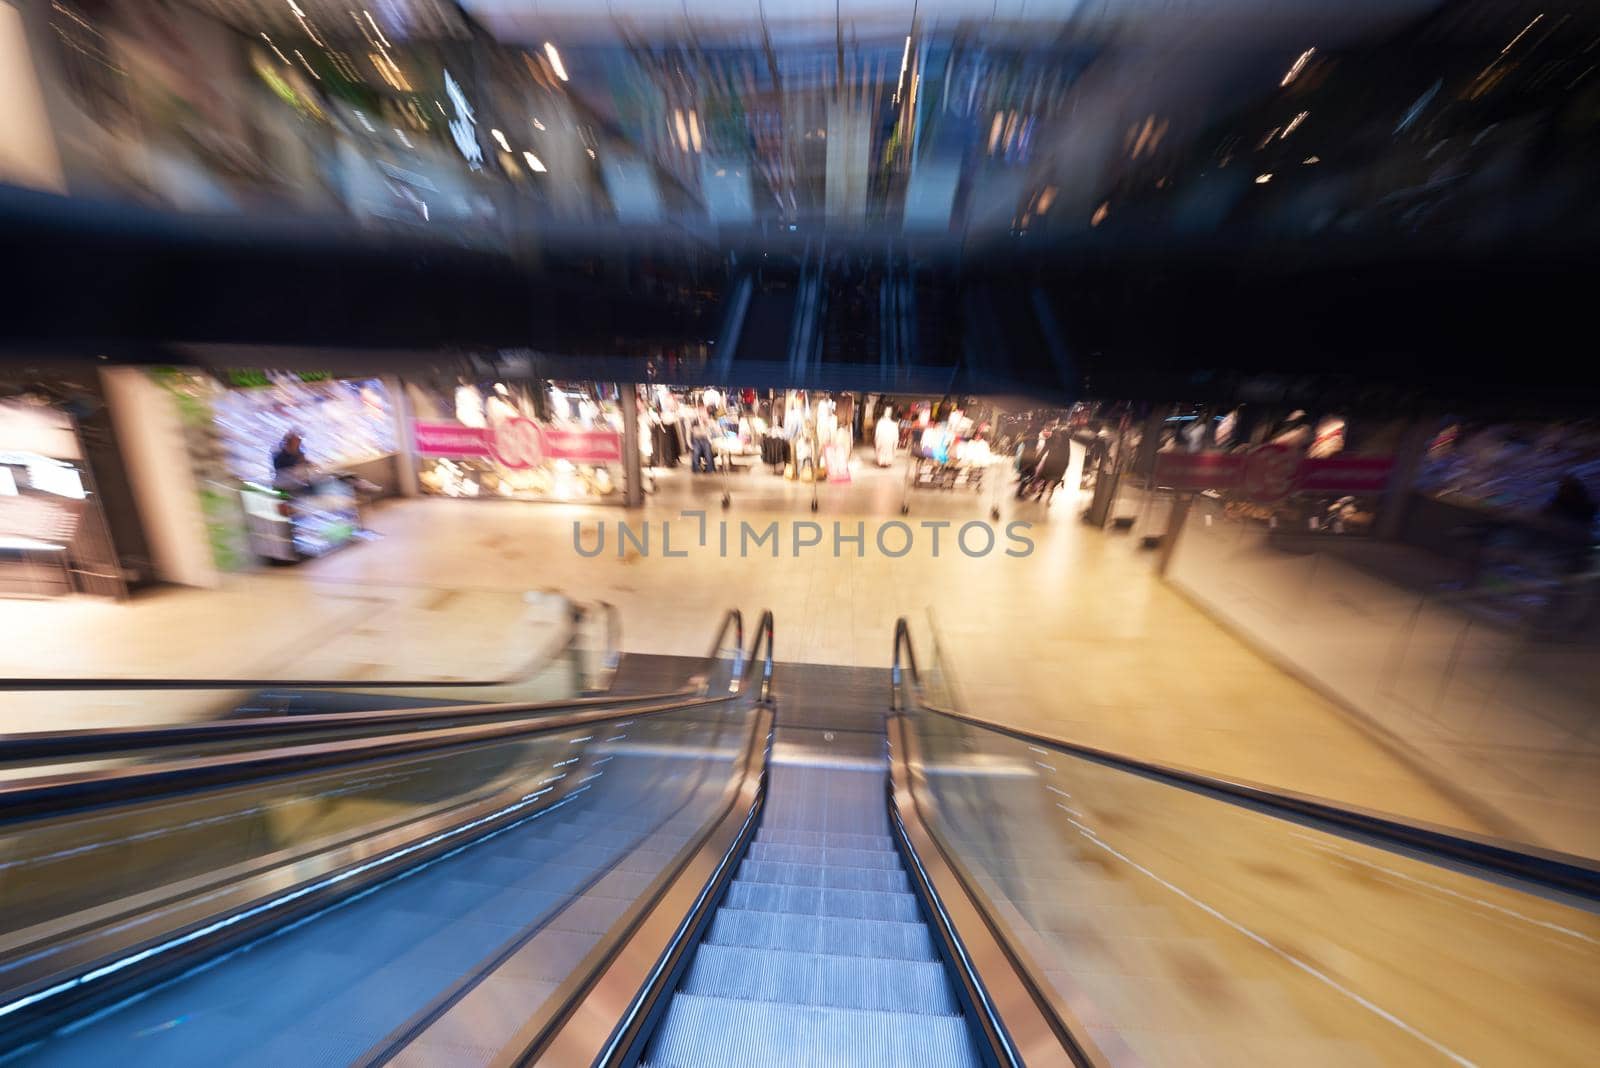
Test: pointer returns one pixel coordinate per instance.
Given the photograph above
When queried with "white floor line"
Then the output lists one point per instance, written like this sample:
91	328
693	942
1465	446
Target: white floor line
1546	924
1266	943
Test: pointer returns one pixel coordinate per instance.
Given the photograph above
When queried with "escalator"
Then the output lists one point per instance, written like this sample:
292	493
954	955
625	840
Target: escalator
799	865
821	936
287	898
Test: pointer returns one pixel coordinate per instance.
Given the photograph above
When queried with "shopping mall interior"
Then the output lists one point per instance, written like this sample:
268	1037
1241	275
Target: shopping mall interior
902	532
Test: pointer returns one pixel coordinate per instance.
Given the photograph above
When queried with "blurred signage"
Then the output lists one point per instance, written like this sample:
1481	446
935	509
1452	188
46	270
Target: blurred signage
449	439
463	128
1272	472
1345	474
584	446
517	443
1191	471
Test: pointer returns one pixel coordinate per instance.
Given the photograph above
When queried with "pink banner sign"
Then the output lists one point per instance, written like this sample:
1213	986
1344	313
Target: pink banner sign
584	446
1272	472
449	439
517	443
1193	471
1346	474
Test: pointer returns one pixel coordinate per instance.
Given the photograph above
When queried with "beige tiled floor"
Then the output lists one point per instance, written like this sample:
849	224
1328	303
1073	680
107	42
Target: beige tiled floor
269	626
1078	640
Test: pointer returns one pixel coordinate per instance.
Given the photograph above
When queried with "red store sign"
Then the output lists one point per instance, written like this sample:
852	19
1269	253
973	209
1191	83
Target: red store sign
517	443
1271	472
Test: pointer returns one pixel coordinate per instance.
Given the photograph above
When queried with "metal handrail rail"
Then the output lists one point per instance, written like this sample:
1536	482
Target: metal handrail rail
56	794
1547	868
48	798
97	741
108	784
550	1024
764	632
902	643
734	618
93	742
73	685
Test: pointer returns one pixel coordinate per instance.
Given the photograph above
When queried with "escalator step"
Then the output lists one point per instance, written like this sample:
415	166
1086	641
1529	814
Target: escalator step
880	843
743	973
835	935
845	858
716	1032
815	901
837	878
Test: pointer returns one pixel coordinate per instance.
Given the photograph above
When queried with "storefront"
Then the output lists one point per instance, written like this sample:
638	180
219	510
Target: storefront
1514	498
54	535
307	451
510	439
230	469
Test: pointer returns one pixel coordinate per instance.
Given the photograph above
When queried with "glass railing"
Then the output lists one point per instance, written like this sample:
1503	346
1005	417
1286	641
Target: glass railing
547	653
1173	926
630	792
1485	676
351	648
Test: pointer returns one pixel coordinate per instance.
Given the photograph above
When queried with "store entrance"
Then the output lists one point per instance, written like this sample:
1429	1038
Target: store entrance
870	452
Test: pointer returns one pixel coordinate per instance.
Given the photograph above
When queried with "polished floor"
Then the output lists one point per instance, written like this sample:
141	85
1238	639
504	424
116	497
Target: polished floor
1079	639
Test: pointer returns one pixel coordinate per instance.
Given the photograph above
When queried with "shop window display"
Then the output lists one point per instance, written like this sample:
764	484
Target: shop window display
297	444
342	423
518	440
1512	501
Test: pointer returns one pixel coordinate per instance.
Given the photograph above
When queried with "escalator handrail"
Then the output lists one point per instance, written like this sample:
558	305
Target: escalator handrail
554	1023
95	742
53	795
764	633
57	795
1549	869
1022	1017
72	792
523	674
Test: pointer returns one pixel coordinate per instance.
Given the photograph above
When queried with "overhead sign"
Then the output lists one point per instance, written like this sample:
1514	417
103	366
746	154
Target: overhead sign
1272	472
517	443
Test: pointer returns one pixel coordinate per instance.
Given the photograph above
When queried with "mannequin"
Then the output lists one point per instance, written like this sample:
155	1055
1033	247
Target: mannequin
827	420
838	455
885	437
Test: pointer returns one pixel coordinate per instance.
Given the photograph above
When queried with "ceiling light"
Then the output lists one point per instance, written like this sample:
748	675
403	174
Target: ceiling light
555	60
534	163
1294	71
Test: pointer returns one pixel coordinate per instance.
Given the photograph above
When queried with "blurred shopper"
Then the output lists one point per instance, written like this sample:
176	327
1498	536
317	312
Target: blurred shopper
700	442
1571	512
1572	504
1569	515
1052	467
885	437
290	465
1033	444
